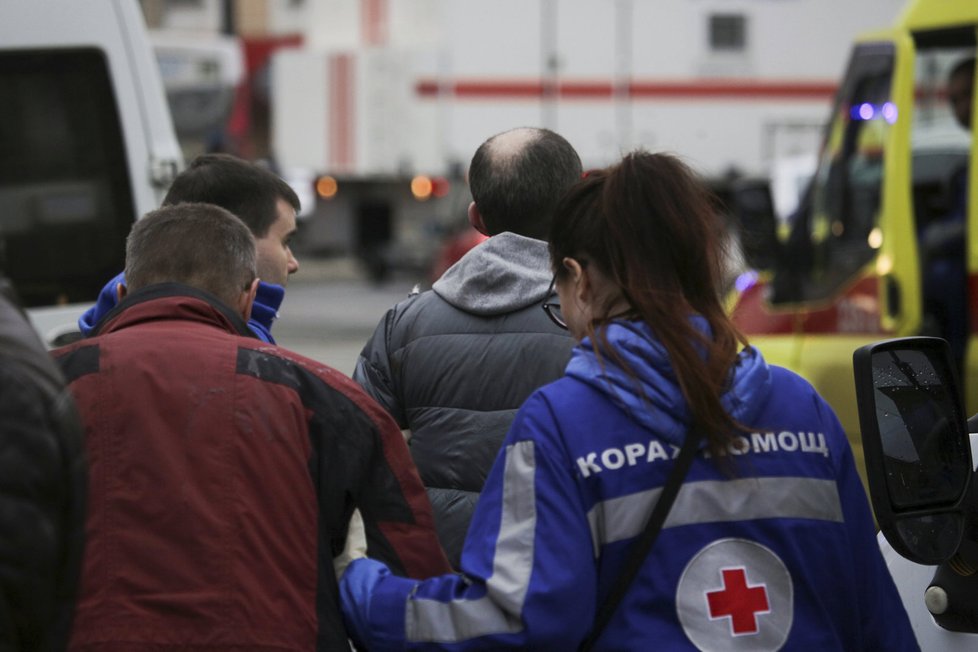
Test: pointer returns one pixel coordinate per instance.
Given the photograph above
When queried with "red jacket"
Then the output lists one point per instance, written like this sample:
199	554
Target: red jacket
223	472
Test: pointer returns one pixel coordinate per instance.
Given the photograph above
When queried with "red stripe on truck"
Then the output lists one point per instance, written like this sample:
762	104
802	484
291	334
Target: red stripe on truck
341	112
584	89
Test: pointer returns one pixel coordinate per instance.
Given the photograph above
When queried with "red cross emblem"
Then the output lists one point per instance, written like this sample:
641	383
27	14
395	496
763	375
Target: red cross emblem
738	601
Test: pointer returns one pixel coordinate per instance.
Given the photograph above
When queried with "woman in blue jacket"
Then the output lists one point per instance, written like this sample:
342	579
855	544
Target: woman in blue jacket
770	542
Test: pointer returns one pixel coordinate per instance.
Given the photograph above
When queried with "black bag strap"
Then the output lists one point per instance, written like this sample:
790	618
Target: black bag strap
641	548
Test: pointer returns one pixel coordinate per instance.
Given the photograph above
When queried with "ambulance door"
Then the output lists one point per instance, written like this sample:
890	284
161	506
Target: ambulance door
836	246
942	146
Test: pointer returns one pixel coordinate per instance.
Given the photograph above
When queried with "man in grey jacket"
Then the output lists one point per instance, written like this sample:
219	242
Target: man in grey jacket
453	364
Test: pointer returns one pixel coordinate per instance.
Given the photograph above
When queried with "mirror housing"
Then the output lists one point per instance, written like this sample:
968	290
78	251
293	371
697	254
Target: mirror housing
916	445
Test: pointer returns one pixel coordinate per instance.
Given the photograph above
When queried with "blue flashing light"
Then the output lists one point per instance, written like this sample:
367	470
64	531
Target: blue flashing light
889	112
868	111
745	281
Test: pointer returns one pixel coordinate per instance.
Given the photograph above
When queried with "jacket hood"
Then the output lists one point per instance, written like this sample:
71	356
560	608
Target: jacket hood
507	272
652	396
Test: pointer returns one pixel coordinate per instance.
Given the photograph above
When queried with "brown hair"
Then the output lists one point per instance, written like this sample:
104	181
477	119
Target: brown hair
247	189
652	227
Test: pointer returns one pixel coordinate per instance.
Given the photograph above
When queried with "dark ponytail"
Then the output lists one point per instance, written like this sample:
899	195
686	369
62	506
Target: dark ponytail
651	226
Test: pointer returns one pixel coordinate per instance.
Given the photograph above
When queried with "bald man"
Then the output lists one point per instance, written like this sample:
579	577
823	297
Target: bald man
453	364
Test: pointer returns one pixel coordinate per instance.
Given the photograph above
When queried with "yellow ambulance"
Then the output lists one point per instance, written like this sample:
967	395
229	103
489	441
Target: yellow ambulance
884	241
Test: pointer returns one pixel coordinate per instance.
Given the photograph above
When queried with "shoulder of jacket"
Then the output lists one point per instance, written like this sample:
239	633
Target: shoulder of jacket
416	308
288	367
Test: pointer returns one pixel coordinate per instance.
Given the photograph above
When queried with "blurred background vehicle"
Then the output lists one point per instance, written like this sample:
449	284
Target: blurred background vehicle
893	161
86	146
373	108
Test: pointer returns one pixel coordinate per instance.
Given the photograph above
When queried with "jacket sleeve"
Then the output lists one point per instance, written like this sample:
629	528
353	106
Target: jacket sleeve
42	489
373	370
529	569
885	624
397	514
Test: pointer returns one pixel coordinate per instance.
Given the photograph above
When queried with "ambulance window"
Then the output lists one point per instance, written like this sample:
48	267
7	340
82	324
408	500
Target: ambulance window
838	235
940	141
65	200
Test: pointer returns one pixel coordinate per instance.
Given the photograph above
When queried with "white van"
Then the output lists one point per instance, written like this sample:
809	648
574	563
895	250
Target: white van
86	146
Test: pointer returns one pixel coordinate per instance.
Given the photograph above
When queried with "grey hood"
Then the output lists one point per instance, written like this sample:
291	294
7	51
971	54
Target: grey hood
505	273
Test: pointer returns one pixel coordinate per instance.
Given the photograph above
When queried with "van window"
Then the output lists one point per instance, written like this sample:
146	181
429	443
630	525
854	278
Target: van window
65	200
836	234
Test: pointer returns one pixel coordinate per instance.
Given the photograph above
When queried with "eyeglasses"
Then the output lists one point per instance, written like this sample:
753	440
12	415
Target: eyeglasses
552	308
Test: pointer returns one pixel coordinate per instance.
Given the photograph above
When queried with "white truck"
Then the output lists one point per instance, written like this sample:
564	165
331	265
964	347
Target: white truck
86	146
201	75
382	92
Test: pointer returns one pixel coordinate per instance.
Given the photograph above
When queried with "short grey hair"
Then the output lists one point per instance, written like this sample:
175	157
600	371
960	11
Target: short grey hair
200	245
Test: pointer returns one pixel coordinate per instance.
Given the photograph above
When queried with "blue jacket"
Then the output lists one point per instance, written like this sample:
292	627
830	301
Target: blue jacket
263	312
780	553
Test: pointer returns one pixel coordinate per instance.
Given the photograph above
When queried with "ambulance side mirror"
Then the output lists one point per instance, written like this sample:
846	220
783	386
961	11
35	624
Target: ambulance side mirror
916	445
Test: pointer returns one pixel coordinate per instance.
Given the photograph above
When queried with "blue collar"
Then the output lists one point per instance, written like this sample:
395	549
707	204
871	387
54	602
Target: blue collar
263	313
265	310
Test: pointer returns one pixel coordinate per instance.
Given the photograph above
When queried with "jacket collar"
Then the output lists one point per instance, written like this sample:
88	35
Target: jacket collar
264	311
646	388
172	301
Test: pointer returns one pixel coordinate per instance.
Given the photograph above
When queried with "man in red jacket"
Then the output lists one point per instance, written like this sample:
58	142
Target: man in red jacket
223	470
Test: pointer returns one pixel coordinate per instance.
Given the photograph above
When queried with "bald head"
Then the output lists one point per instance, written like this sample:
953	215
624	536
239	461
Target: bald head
509	144
517	177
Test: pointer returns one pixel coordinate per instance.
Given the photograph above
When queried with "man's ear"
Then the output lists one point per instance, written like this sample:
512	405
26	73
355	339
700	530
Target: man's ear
120	291
475	219
247	299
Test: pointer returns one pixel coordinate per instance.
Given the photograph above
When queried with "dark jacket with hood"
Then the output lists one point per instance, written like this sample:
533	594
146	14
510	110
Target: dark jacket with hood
42	491
453	364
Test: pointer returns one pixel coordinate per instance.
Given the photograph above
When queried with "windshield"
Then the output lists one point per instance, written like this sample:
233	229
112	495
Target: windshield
836	234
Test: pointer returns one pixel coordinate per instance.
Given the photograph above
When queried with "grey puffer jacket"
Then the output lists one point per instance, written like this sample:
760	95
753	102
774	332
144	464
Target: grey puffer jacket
42	491
454	363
